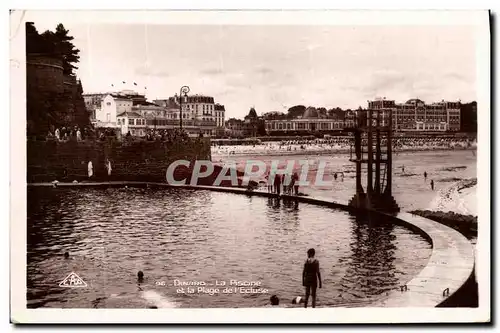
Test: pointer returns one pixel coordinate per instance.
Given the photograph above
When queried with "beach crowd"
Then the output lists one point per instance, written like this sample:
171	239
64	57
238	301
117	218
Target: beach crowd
342	144
75	133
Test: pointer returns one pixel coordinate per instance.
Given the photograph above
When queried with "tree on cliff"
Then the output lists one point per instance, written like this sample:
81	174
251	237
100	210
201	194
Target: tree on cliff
63	47
82	117
35	43
49	108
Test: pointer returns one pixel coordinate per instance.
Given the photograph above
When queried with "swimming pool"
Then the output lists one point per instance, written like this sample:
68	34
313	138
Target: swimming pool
232	250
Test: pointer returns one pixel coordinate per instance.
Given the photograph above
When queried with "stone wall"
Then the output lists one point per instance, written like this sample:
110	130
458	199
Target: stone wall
132	161
44	73
53	99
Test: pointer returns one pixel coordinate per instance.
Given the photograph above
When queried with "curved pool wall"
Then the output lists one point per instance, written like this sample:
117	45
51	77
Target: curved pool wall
450	265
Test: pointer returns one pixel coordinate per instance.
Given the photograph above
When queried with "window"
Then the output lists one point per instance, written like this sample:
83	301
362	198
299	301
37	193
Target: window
131	121
108	117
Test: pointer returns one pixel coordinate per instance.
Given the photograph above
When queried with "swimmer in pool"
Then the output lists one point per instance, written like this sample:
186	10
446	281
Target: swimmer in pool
274	300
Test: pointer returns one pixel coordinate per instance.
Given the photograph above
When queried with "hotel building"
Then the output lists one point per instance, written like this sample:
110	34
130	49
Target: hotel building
131	112
415	115
310	122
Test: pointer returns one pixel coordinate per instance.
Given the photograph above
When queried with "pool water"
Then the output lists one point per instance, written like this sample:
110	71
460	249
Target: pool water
181	237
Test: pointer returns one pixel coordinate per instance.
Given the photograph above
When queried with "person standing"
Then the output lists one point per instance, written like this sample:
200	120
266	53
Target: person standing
432	184
268	182
277	184
311	277
90	169
425	176
108	167
284	181
295	180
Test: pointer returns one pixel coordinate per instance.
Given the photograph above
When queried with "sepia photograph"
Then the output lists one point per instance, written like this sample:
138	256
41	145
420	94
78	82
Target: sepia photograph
250	166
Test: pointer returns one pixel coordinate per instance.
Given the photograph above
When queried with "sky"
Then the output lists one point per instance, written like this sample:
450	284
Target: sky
274	67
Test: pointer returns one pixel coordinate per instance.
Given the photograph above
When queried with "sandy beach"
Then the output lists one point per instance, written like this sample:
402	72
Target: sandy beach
459	197
453	172
323	147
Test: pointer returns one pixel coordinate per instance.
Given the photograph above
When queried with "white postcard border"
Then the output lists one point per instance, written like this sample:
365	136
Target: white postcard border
19	313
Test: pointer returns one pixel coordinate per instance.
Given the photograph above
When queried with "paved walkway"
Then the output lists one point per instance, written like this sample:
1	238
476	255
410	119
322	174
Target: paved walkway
450	264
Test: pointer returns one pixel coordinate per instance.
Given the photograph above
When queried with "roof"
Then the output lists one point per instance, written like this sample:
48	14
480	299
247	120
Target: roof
168	103
142	103
414	101
130	115
120	97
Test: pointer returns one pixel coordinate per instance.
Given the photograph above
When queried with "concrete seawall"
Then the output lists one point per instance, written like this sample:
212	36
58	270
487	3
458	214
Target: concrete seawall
450	265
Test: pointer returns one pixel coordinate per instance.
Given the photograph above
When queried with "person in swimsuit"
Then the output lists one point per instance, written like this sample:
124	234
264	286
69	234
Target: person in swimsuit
269	184
311	277
295	183
277	184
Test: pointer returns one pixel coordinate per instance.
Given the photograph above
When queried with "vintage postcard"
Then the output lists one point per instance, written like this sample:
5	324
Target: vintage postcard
250	166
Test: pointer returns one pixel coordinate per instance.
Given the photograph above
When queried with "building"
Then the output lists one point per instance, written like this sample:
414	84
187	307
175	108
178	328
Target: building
93	102
111	106
220	120
104	107
131	122
310	123
200	114
415	115
235	127
468	117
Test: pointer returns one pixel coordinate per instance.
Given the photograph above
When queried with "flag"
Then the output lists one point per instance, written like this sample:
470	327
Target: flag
135	84
123	82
